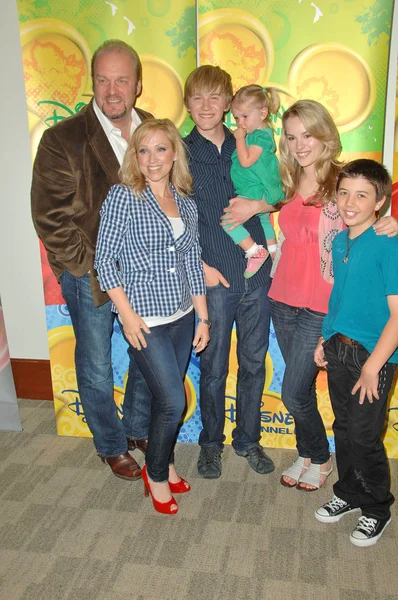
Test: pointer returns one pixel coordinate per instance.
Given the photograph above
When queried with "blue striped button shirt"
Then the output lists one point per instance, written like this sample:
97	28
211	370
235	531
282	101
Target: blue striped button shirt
136	249
213	189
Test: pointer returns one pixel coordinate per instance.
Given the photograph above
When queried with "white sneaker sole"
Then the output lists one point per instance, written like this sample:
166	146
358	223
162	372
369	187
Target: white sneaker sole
368	542
336	518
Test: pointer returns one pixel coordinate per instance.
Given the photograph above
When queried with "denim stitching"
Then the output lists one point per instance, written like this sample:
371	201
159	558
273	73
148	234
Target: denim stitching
355	357
382	379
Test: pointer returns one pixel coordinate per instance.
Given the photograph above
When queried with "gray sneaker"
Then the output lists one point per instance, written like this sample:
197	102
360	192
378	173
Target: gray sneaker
257	459
209	462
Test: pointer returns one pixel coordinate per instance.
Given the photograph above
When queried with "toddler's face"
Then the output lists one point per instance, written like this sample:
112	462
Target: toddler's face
249	116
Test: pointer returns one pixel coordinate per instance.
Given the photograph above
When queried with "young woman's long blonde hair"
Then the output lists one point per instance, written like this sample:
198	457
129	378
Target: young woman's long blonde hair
130	173
320	125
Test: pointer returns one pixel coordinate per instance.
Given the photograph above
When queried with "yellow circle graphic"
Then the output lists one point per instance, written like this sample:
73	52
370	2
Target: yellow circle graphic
56	65
162	93
329	73
239	43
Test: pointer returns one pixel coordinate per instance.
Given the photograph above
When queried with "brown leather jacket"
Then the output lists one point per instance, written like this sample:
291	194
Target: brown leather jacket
74	168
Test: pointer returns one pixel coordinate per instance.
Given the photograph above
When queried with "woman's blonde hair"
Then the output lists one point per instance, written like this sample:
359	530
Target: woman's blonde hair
260	97
320	125
130	172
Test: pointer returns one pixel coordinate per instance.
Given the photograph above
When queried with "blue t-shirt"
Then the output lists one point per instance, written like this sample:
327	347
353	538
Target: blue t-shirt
358	305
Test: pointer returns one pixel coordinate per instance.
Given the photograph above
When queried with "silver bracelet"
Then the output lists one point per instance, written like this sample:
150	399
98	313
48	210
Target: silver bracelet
205	321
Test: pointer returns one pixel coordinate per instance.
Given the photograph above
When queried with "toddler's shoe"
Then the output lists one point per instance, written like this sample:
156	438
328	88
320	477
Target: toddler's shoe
255	262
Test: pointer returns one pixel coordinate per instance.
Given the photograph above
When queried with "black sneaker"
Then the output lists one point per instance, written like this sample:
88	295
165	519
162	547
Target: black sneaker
334	510
368	531
209	462
257	459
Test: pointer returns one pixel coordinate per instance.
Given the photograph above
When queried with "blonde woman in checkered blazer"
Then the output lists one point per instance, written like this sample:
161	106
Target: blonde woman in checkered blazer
148	261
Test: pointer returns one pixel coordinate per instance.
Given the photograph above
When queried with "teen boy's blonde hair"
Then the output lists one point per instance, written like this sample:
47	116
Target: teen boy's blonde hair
207	79
319	124
130	172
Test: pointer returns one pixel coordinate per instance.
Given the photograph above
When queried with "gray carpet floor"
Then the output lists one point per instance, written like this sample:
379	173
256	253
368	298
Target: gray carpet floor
71	530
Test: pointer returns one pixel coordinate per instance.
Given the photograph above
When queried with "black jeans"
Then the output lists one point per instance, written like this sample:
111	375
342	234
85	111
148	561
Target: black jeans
361	459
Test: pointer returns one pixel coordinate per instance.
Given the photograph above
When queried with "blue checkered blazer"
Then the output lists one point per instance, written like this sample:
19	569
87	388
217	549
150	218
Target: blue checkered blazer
136	249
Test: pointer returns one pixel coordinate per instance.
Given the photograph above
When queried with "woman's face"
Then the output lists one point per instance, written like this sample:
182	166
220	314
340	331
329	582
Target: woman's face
302	146
156	157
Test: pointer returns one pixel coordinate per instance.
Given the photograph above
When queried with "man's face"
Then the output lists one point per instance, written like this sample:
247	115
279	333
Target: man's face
207	110
115	84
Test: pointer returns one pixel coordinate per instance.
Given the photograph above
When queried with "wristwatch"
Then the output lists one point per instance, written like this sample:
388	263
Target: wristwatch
205	321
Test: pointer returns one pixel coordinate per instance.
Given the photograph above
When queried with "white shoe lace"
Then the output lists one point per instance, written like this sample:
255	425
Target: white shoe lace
336	503
367	524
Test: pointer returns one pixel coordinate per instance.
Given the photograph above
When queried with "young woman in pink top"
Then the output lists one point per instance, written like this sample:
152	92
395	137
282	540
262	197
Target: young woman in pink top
309	165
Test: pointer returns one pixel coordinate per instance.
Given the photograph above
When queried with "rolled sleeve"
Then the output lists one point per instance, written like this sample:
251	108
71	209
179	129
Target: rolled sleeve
114	217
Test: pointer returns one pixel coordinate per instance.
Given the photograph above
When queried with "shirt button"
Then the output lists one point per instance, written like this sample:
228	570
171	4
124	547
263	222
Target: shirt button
172	270
172	249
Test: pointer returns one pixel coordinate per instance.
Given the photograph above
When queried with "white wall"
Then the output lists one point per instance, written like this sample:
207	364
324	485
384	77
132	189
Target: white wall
20	272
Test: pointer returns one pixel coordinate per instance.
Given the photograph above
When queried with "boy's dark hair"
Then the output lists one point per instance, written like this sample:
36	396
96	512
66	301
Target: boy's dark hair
375	173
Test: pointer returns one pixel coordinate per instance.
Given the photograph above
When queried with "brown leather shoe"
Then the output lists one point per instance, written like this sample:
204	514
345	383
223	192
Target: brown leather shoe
137	444
123	466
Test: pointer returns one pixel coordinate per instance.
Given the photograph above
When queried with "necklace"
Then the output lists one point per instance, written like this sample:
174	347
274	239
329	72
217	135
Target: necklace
349	246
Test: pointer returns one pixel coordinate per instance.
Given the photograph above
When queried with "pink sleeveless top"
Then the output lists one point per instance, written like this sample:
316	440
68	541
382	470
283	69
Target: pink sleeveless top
298	280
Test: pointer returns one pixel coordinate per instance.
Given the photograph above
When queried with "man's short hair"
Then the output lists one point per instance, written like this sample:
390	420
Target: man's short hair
207	79
118	46
375	173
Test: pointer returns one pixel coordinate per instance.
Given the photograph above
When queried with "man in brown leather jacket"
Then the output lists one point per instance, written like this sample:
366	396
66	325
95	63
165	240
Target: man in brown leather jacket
76	163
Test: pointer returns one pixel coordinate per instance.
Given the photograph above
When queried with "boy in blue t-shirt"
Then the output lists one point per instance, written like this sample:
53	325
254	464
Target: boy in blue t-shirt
359	347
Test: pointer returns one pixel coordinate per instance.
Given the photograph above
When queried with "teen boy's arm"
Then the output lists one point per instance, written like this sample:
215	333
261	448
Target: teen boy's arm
385	347
241	210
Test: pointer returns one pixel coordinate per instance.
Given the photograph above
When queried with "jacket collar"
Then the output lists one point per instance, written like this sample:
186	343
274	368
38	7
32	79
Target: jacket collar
154	205
101	146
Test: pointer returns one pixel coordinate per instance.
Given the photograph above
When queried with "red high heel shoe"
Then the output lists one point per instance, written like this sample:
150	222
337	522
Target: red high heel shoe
180	487
161	507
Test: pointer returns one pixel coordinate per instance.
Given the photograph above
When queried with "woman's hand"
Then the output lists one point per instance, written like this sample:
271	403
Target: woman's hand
202	337
133	327
386	226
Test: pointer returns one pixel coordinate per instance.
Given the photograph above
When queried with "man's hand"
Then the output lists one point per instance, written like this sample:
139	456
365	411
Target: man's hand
319	354
214	277
367	384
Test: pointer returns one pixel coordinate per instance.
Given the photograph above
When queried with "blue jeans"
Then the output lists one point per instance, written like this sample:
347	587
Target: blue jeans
93	327
251	312
163	364
137	402
297	331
